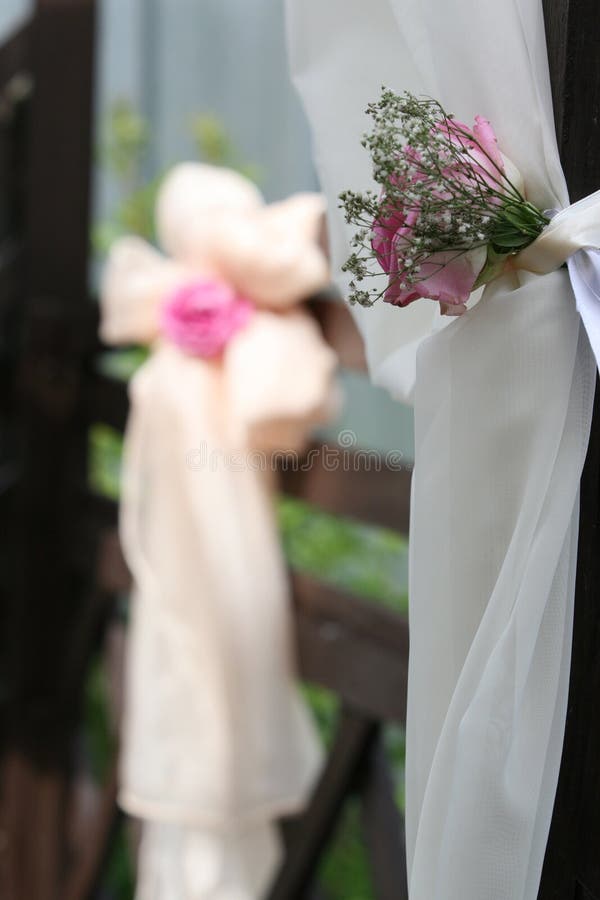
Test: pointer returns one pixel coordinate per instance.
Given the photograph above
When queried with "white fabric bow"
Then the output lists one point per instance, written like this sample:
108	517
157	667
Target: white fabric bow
215	737
573	236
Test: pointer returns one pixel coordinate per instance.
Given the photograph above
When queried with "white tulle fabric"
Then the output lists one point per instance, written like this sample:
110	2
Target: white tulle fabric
217	744
503	400
194	863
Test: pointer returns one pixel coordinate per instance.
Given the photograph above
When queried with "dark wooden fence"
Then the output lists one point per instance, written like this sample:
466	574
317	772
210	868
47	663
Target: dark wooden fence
61	565
572	865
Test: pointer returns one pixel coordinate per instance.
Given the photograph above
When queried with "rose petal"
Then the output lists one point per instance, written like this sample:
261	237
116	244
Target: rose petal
202	316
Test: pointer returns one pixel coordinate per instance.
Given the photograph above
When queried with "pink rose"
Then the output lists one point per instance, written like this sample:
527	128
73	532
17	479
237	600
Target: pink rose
445	276
481	149
202	316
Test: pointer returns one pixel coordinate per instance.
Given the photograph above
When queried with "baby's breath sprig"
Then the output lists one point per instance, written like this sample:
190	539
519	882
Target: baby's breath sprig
441	192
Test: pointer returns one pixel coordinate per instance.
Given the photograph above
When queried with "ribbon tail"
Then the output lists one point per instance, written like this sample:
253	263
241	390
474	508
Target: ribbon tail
584	271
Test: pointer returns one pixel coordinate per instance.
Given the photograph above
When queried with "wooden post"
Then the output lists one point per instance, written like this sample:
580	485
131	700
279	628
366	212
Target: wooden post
572	864
49	551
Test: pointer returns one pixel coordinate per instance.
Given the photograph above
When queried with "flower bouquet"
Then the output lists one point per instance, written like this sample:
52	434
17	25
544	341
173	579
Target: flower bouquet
451	211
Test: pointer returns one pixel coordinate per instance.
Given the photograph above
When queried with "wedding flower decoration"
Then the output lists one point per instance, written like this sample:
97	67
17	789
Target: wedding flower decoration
202	316
237	375
450	212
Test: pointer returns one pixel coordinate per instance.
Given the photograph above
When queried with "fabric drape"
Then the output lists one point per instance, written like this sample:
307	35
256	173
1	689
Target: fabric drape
503	399
217	743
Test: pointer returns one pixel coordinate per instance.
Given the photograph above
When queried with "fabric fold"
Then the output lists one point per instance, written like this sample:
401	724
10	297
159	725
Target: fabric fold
215	732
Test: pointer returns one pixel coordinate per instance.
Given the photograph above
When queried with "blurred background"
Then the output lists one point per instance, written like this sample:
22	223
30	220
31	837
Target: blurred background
208	79
214	72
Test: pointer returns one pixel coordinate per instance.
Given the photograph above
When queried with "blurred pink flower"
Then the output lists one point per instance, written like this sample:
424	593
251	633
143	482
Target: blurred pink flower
202	316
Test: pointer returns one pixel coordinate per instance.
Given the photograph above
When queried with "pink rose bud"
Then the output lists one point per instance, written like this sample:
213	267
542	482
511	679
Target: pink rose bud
202	316
445	276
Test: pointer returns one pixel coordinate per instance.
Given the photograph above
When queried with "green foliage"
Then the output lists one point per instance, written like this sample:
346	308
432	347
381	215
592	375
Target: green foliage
123	155
369	562
123	151
214	146
136	214
105	447
100	746
125	143
122	363
344	872
99	740
325	708
119	881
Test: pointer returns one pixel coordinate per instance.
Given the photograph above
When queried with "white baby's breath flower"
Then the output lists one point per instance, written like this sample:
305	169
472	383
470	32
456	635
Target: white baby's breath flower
433	189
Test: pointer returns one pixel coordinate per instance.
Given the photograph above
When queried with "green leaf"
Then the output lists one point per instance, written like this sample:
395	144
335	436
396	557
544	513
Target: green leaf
516	216
517	225
104	234
508	243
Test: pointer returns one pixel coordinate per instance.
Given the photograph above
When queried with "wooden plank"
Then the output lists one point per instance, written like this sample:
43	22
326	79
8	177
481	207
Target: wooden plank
339	330
85	875
50	554
15	55
354	737
14	106
94	822
108	402
11	276
376	622
11	294
15	92
354	668
335	318
360	484
33	804
383	828
556	15
52	366
61	148
356	649
573	35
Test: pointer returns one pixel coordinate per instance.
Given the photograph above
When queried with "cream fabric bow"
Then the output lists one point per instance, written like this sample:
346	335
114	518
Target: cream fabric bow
215	735
573	236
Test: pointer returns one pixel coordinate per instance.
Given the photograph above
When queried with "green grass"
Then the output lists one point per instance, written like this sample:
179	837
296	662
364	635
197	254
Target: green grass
369	562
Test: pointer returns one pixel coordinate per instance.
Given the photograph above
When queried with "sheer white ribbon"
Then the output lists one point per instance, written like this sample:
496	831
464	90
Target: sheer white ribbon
503	402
